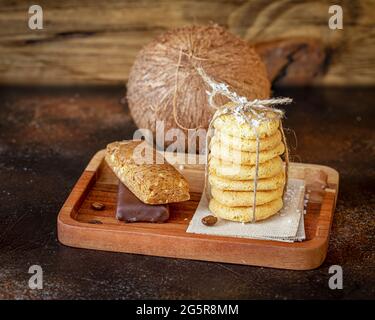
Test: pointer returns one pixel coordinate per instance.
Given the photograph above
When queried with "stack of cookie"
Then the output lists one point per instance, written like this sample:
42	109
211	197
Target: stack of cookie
231	170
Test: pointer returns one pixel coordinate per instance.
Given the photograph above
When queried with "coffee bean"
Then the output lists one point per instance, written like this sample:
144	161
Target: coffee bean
209	220
97	206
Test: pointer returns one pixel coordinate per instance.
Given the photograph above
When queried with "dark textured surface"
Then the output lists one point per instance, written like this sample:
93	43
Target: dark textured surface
47	136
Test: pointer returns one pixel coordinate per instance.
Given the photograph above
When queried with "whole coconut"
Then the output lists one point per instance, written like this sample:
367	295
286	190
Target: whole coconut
164	84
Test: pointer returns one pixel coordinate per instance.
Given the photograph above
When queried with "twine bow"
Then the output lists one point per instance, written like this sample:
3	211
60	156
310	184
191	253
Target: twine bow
254	113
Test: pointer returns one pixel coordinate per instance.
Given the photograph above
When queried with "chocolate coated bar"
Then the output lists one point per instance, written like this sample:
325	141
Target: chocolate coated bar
131	209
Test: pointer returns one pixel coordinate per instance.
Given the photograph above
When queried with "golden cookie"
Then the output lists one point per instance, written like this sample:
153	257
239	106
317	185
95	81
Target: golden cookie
271	183
249	145
245	198
229	125
233	171
245	214
244	157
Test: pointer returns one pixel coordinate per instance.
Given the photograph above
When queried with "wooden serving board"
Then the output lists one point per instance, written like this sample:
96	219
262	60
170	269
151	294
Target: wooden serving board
81	226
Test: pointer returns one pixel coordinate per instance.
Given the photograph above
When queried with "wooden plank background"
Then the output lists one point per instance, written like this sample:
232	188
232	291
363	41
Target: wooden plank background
96	41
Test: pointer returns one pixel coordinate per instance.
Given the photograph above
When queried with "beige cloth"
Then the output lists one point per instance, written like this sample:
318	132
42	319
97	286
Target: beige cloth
286	226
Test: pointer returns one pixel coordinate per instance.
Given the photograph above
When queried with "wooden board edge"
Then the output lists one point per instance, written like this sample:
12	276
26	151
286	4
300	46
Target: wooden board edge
96	161
306	256
71	204
252	254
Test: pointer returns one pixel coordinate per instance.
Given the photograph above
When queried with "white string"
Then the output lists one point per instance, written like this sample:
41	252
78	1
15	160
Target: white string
260	112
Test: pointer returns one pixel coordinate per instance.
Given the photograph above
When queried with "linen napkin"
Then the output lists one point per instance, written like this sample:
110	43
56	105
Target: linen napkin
286	226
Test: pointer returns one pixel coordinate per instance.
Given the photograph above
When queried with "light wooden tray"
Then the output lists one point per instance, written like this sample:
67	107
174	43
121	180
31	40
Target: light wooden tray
81	226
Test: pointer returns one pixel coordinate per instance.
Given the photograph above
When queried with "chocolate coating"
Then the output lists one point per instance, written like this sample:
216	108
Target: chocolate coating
131	209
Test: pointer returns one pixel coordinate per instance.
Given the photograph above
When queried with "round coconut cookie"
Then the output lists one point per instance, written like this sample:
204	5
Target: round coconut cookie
229	125
245	198
270	183
249	145
232	171
244	157
245	214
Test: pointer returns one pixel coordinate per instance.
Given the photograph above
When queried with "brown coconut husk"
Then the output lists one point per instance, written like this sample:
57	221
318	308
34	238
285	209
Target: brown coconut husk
164	84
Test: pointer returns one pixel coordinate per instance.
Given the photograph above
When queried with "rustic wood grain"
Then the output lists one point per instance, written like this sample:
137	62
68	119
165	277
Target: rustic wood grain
81	226
96	42
294	61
